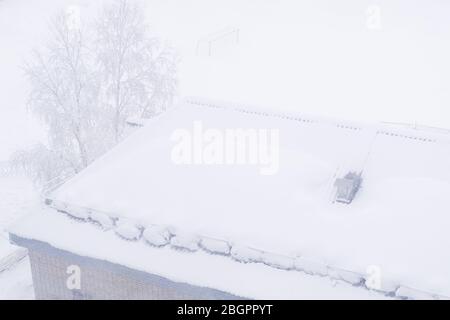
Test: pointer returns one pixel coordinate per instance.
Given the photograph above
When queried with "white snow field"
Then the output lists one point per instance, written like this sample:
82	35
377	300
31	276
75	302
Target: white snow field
398	221
317	57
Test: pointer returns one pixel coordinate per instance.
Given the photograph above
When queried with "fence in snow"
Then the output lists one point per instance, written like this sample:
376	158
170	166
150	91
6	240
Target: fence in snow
56	182
11	259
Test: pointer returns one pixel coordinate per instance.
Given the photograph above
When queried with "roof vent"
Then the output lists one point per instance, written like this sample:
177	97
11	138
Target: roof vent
347	187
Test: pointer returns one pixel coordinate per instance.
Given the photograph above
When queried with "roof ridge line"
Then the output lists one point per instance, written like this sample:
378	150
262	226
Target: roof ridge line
381	127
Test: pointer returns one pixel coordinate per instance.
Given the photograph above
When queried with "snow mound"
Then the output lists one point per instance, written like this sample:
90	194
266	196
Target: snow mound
128	231
157	236
278	261
386	286
185	241
410	293
77	212
73	211
351	277
58	205
311	266
102	219
215	246
246	254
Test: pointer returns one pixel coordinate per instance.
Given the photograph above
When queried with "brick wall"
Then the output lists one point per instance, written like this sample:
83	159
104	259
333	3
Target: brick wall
50	277
102	279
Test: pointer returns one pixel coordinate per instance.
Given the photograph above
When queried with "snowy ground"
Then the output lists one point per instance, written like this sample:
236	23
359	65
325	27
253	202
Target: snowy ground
16	282
17	197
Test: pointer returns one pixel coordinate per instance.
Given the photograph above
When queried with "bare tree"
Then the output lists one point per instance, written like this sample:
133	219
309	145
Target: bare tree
64	94
88	80
137	70
45	167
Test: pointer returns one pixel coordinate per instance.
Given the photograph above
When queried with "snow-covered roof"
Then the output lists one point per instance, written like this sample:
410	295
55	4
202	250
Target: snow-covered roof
397	224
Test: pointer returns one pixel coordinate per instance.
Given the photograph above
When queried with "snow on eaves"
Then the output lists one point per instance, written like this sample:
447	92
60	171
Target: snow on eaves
162	236
199	268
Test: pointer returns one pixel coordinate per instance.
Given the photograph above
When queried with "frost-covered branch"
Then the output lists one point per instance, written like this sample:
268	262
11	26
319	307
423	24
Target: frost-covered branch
138	72
88	80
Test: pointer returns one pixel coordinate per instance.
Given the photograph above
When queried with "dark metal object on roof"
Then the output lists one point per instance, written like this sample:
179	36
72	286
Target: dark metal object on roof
347	187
